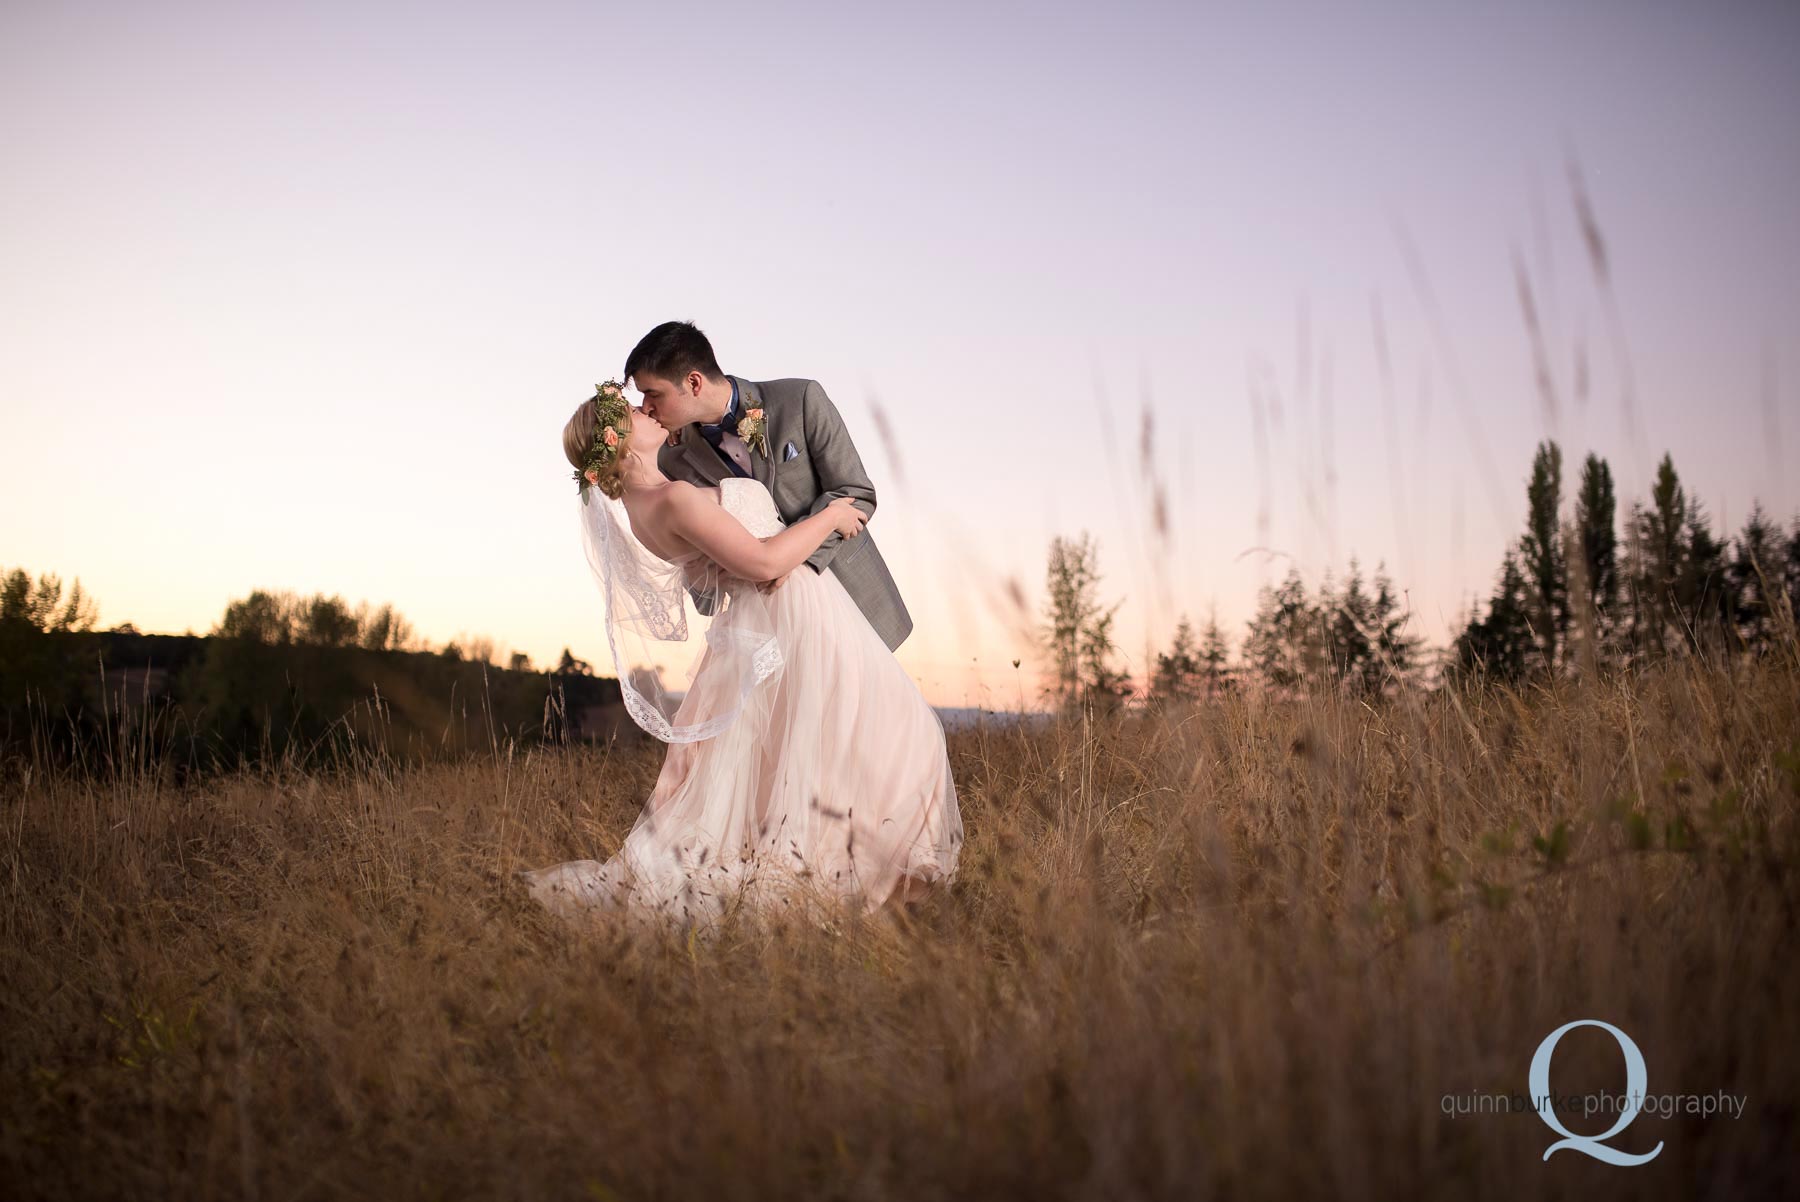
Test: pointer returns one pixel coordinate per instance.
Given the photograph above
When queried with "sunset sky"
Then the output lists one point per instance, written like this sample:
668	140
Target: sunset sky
300	296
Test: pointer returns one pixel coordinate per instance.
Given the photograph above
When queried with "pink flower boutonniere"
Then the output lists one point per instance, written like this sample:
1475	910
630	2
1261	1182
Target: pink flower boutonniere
753	430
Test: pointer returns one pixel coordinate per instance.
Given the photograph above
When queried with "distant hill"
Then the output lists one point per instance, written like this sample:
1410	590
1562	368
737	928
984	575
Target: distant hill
962	717
210	701
216	701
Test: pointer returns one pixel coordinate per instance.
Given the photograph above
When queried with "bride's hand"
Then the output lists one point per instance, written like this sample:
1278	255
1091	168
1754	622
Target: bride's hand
846	516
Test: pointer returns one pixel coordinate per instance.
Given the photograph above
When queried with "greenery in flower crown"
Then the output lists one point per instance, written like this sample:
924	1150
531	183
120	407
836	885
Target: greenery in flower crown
613	419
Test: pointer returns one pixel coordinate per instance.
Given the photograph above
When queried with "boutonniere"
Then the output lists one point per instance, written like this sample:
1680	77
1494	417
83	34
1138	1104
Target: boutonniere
754	431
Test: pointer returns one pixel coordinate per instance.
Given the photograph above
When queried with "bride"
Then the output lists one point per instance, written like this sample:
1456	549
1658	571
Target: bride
803	762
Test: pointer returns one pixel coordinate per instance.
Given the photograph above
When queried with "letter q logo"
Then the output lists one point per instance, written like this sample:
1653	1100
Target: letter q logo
1636	1078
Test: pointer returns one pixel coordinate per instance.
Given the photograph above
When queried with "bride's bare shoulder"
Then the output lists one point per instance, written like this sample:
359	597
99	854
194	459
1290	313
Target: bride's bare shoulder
682	495
677	504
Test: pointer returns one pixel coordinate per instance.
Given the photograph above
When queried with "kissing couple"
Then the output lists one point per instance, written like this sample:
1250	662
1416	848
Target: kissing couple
803	763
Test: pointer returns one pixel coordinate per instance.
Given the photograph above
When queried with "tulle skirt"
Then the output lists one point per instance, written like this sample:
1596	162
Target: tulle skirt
832	786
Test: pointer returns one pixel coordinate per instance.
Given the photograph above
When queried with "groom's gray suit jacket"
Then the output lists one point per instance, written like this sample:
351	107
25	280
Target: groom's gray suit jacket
825	466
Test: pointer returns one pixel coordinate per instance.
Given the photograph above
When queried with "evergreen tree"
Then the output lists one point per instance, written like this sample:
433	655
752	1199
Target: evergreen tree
1077	633
1657	547
1499	645
262	617
382	629
1702	586
1070	581
1672	583
271	618
1542	552
1104	685
34	667
1757	575
1284	645
1397	649
327	622
569	665
1349	627
41	606
1213	656
1595	513
1176	679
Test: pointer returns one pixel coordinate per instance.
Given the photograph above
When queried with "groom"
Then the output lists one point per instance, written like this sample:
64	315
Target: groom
805	459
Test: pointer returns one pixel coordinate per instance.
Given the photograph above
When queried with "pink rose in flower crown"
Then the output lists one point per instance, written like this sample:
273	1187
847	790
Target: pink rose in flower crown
611	410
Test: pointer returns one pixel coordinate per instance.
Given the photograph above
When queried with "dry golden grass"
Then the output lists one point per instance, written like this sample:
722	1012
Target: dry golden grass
1245	953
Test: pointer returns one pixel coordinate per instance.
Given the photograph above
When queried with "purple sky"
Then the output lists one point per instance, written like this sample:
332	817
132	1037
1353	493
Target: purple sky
300	296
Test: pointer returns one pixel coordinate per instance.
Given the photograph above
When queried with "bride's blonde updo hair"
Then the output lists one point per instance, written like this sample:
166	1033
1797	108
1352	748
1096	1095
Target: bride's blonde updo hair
586	443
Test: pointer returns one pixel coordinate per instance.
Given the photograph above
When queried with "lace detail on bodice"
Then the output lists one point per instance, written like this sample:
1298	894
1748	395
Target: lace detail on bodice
750	503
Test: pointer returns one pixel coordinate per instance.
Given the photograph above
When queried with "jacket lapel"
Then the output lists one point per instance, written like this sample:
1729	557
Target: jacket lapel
710	464
700	456
750	397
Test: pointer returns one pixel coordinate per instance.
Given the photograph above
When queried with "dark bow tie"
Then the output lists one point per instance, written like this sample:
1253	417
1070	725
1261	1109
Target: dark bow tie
716	430
714	434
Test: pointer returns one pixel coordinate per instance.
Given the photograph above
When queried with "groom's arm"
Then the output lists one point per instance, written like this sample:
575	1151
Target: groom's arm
836	465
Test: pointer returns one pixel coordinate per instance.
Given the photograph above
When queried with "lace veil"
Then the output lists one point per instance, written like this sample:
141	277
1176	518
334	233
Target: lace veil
647	601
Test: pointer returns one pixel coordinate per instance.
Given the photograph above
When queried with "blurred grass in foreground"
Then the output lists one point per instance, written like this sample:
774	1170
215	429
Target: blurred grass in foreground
1242	950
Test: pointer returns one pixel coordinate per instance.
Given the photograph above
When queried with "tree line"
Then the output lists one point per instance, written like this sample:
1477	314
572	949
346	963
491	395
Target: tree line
272	617
1571	594
278	670
1574	592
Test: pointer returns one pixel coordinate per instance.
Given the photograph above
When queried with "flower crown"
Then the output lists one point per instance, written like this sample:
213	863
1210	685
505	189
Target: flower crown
612	413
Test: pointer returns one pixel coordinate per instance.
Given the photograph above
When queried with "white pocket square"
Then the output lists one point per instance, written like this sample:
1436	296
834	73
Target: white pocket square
789	451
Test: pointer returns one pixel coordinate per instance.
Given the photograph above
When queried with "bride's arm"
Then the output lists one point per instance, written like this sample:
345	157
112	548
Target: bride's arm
722	538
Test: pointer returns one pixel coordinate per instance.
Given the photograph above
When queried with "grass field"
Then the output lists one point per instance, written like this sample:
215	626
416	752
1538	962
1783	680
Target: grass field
1257	950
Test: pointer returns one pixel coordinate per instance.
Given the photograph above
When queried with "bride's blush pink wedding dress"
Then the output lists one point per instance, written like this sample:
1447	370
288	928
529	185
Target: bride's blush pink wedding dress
833	782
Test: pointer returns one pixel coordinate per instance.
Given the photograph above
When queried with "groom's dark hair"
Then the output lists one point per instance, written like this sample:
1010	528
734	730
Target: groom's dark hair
671	351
